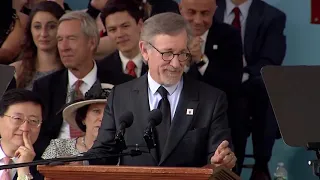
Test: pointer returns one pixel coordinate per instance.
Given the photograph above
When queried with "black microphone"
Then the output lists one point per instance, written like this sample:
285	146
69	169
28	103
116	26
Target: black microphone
126	120
154	119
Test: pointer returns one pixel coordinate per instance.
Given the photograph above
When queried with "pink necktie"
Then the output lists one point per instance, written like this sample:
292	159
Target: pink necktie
6	172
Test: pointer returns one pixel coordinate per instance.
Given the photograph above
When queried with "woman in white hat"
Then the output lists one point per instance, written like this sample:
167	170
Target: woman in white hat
85	115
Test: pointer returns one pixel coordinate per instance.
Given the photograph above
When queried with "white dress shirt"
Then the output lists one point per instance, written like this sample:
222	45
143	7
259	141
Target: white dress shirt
88	81
173	94
229	17
138	61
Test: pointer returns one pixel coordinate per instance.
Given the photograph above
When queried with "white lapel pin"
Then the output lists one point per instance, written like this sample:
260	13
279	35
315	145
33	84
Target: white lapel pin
190	112
215	47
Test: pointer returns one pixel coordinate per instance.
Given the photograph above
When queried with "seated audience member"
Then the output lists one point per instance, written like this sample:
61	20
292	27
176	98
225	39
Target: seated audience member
150	8
123	21
20	121
85	115
11	32
40	55
262	29
78	38
216	51
194	129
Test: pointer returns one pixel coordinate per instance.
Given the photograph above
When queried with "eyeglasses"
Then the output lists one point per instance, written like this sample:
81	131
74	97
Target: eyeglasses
168	56
20	119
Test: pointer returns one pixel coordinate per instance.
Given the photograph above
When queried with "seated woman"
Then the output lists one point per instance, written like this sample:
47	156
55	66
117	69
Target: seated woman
85	115
40	55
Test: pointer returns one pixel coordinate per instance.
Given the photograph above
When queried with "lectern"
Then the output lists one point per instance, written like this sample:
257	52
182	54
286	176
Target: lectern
72	172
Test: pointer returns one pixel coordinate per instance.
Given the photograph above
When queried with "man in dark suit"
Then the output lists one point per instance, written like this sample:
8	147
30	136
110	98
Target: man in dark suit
194	129
216	47
264	44
123	21
78	38
216	50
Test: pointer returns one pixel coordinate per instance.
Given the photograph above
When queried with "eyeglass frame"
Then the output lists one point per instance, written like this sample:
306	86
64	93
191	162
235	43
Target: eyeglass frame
25	119
173	54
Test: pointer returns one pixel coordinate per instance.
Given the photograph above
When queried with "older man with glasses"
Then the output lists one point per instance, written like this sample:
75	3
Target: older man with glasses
194	129
20	121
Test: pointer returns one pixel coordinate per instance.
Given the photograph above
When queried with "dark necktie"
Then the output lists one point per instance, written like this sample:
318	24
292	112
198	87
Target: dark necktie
163	128
236	21
131	66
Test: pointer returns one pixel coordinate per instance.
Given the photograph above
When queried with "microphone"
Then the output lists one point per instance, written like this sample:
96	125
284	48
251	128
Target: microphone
154	119
126	120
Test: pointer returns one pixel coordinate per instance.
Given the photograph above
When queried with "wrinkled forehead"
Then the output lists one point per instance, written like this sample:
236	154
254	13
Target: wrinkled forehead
176	41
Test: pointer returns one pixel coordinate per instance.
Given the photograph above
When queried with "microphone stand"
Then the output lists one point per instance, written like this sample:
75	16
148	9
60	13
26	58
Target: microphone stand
149	138
61	161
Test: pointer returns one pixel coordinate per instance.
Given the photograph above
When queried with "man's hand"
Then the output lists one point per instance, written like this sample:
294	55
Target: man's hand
224	156
195	49
25	153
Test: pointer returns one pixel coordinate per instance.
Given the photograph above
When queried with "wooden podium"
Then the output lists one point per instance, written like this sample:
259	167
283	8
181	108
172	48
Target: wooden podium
71	172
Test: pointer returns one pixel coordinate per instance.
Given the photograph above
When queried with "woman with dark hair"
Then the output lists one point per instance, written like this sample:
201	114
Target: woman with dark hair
85	115
39	56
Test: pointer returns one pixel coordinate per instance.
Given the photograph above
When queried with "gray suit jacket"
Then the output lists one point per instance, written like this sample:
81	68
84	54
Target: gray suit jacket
192	139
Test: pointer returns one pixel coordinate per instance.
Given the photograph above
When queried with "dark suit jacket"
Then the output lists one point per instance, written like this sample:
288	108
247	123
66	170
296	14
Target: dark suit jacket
113	63
264	41
53	91
225	67
192	139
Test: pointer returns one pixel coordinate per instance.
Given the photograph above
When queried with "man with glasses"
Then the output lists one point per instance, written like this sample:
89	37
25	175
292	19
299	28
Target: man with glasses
194	129
20	121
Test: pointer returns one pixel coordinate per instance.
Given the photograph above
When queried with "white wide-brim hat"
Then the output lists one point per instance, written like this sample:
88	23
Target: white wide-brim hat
70	111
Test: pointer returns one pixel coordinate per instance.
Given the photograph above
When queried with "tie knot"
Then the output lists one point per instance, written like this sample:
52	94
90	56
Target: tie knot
78	83
163	92
236	11
131	65
6	160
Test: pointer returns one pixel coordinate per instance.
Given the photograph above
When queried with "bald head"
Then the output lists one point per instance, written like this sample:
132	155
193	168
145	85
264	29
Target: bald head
199	13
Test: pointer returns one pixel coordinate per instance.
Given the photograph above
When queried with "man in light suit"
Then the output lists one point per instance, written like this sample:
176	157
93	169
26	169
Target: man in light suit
194	129
262	30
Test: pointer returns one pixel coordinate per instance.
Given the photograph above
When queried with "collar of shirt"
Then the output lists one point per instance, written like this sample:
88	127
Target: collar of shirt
153	85
244	8
88	80
137	61
204	38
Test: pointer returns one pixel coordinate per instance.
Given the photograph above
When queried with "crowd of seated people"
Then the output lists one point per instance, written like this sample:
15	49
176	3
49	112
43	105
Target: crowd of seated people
70	60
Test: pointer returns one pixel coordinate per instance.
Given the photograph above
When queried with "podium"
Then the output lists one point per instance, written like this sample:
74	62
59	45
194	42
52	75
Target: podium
72	172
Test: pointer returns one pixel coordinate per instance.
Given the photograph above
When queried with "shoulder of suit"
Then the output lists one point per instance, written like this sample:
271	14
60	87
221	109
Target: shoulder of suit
271	11
203	87
53	77
222	28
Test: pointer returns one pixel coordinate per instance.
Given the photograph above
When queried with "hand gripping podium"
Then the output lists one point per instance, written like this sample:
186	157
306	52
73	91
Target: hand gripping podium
71	172
294	93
